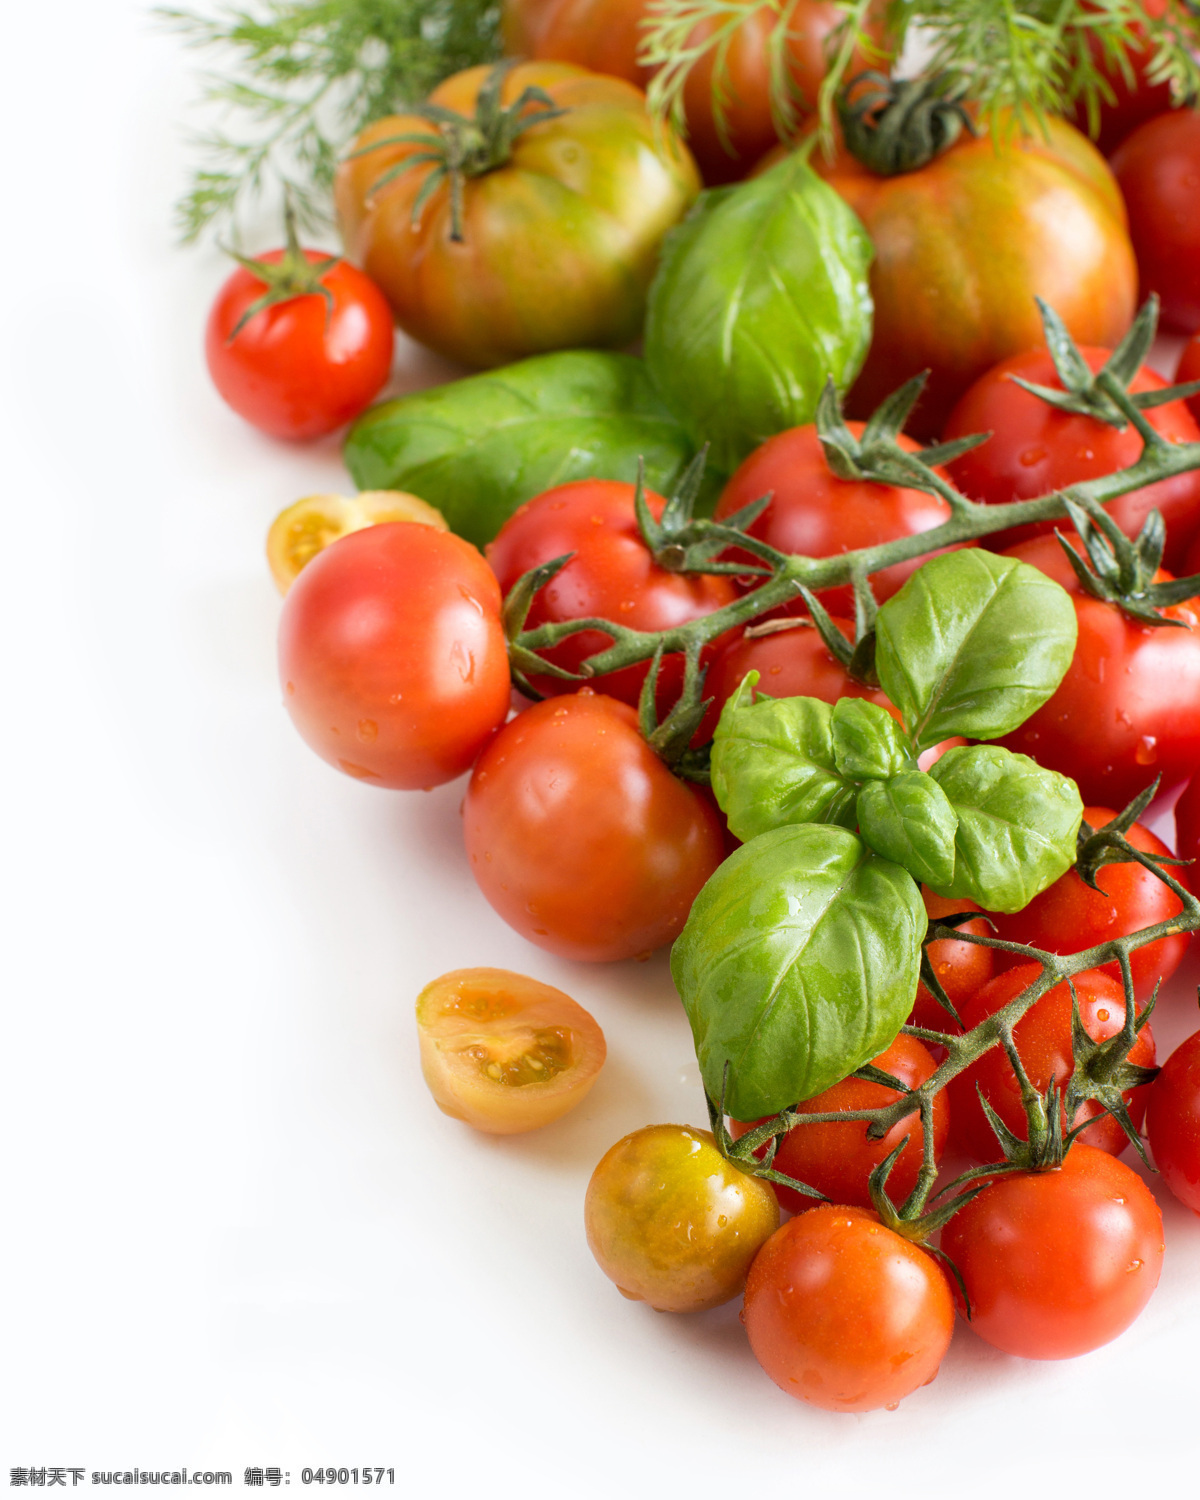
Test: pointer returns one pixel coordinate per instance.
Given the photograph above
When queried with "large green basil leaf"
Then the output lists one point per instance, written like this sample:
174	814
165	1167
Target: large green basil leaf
477	448
772	764
799	963
909	819
972	645
867	741
1016	825
761	294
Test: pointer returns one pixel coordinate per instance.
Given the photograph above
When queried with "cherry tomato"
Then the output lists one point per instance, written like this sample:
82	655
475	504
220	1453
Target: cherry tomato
1069	916
303	367
613	575
1187	830
1189	369
606	35
962	968
504	1052
1158	167
1043	1040
673	1223
298	533
837	1160
1058	1262
1035	449
1173	1121
1135	99
559	237
963	246
392	656
792	661
581	838
819	515
1128	709
846	1314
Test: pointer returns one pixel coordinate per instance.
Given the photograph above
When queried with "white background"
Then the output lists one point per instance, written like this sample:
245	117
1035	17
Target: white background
235	1229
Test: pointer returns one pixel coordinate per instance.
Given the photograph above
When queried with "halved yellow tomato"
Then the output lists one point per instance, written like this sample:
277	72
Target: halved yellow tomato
504	1052
298	533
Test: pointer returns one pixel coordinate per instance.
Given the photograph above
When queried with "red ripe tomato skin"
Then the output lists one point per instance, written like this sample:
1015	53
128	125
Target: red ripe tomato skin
581	838
1187	828
1069	916
792	663
846	1314
1158	169
1128	709
1035	449
1173	1122
962	968
1135	101
392	656
1060	1262
613	576
1043	1038
1189	369
837	1160
300	369
814	512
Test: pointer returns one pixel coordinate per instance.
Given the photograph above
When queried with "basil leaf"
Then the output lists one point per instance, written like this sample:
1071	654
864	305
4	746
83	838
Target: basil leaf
909	820
799	963
772	764
972	645
867	741
477	448
1016	825
761	295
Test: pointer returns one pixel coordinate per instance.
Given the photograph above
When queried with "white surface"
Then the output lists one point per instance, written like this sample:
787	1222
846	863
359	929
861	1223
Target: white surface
236	1231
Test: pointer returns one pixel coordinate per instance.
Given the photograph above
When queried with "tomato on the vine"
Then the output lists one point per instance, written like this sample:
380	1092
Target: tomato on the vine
814	512
1058	1262
1044	1044
1128	709
504	1052
1036	449
392	656
672	1222
838	1159
613	575
846	1314
1187	828
580	836
1069	915
1158	168
962	968
1189	370
313	356
1173	1121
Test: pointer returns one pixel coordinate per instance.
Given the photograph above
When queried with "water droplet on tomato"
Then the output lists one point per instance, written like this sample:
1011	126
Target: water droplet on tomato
471	600
464	661
360	773
1147	751
368	731
891	1405
1134	1265
1032	456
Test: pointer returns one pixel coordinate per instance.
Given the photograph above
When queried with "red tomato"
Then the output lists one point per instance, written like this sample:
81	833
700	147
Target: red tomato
1043	1038
581	838
1128	709
1158	168
846	1314
1173	1122
613	575
962	968
392	657
1135	100
1189	369
792	662
837	1160
304	367
1056	1263
1069	916
1035	449
1187	829
815	513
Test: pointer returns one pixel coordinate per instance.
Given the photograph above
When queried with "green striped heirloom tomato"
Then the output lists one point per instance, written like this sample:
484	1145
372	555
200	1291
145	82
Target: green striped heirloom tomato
548	238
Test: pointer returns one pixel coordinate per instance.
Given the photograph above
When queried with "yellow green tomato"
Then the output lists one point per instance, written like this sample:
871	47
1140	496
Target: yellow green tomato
672	1222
